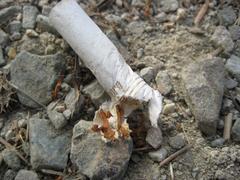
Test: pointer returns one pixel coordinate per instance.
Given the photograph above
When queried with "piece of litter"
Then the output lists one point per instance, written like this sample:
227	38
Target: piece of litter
125	87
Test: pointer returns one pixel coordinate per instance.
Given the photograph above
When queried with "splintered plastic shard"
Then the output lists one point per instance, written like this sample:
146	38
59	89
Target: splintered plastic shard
99	54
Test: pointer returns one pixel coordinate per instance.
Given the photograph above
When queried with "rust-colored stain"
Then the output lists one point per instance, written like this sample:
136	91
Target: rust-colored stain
108	132
57	87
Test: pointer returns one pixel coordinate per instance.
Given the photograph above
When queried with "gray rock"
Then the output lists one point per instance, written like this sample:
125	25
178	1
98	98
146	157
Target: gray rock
161	17
36	76
138	3
169	108
11	159
97	159
147	74
227	16
222	38
237	48
223	174
140	53
32	45
57	118
44	25
220	124
96	93
169	5
217	142
15	36
233	66
9	175
163	82
67	114
14	27
5	3
154	137
2	60
74	103
8	13
202	85
29	16
235	32
177	142
26	175
236	131
136	28
230	83
227	105
158	155
46	10
3	38
49	147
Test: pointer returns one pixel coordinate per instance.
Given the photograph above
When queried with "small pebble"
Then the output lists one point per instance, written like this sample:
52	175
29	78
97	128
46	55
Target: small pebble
26	175
31	33
67	114
158	155
15	36
147	74
230	83
11	159
217	142
177	141
22	123
154	137
9	174
12	53
140	53
169	108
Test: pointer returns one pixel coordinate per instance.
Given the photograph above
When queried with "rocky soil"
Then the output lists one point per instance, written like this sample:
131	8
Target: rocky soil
48	97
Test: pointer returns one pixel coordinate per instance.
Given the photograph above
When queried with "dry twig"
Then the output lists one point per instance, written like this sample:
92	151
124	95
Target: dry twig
171	171
9	146
143	149
227	127
174	155
52	172
201	13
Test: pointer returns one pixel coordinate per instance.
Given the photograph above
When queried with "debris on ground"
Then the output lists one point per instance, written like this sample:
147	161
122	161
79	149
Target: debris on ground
189	51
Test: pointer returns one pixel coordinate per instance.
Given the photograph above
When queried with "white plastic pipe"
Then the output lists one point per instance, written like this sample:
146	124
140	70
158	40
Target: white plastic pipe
102	58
